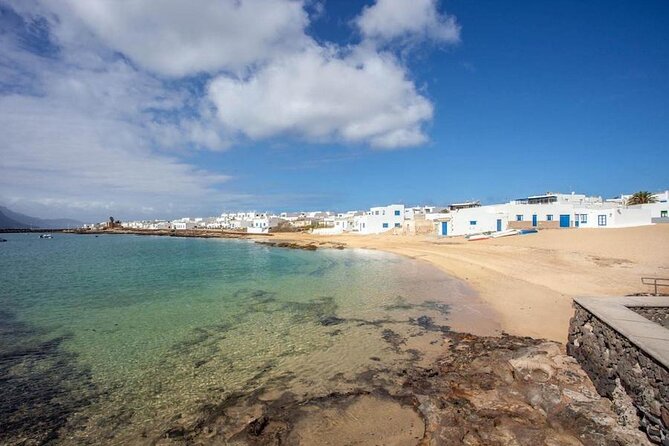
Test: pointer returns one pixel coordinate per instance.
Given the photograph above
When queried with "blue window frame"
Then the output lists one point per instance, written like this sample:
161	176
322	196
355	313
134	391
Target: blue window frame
385	225
397	212
519	217
584	218
549	217
472	222
601	220
398	225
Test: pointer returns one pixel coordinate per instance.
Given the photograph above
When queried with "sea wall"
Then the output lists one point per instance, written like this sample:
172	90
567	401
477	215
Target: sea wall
614	361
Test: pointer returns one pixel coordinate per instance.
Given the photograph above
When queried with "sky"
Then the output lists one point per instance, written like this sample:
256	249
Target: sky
142	109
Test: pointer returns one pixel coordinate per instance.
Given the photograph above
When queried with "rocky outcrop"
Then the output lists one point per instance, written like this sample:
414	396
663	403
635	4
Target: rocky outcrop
483	391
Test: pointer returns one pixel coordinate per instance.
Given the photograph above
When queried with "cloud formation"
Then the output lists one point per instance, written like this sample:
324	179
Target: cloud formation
387	20
179	38
321	95
107	100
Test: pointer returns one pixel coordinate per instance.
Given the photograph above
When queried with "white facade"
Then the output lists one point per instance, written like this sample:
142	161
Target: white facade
551	210
379	219
183	225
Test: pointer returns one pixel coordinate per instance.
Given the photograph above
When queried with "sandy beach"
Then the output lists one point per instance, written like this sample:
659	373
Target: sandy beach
530	280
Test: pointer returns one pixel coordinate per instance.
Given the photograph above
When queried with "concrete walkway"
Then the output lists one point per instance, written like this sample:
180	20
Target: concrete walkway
649	336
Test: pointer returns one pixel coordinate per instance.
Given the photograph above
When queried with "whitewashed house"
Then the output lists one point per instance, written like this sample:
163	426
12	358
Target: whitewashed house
548	211
262	224
380	219
181	225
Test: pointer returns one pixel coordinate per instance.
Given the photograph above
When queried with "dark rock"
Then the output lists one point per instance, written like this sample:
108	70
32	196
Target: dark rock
258	425
330	320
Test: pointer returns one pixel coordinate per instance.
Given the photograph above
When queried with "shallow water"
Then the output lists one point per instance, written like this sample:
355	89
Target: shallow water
113	339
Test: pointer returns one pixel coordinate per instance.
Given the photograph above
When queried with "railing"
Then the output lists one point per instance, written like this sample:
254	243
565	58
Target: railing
655	282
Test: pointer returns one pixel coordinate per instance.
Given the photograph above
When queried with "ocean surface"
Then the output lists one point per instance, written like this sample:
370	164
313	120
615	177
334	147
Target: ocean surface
118	339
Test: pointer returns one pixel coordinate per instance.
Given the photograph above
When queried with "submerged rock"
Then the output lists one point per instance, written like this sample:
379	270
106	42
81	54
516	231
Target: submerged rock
482	391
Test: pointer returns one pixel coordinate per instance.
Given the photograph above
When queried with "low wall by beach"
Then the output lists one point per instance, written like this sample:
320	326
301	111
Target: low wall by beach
620	349
540	225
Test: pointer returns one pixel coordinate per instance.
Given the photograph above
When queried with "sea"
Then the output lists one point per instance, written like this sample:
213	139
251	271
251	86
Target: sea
123	339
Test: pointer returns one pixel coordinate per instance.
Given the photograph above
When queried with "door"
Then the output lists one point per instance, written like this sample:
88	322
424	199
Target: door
564	221
444	228
534	220
499	224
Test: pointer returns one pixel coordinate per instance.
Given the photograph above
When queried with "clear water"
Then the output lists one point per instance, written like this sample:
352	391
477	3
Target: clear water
109	339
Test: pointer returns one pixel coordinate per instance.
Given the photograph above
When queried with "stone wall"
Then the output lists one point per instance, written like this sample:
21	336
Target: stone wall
612	361
659	315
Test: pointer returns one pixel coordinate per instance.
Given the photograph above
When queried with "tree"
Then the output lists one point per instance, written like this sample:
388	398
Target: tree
641	197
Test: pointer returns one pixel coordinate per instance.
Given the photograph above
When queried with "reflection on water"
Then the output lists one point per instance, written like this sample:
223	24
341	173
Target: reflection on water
122	339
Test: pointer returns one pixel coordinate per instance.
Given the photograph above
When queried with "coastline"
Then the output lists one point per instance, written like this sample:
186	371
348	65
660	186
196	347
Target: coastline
528	280
464	388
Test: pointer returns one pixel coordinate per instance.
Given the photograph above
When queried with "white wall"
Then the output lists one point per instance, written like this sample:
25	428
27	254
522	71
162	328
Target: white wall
484	218
380	219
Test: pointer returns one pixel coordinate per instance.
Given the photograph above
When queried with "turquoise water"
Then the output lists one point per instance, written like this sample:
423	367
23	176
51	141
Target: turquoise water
109	339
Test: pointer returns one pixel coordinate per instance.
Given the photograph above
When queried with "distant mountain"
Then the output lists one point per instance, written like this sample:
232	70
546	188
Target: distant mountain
13	220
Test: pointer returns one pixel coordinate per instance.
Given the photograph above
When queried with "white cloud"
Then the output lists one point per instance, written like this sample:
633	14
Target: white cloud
105	119
387	20
52	153
178	38
319	94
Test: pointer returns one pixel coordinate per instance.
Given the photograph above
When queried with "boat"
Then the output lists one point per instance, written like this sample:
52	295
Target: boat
475	237
506	233
46	236
527	231
3	240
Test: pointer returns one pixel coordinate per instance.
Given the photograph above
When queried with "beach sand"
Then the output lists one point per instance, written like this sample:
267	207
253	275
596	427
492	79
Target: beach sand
530	280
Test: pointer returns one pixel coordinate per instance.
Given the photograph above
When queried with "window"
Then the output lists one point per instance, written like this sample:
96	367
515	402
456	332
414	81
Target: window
549	217
398	225
663	214
472	222
376	212
385	225
584	218
601	220
397	213
519	217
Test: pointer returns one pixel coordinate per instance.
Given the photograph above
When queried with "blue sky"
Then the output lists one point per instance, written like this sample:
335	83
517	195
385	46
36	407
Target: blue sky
327	105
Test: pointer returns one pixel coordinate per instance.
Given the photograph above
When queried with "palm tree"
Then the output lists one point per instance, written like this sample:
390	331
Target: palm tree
641	197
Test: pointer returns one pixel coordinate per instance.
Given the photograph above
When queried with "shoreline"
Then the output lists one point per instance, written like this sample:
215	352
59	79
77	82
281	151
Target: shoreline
467	388
529	281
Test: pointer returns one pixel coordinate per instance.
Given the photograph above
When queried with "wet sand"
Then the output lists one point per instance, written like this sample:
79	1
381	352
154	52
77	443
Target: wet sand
530	280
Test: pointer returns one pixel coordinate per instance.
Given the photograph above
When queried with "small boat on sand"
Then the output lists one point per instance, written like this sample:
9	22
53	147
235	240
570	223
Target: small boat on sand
527	231
506	233
475	237
46	236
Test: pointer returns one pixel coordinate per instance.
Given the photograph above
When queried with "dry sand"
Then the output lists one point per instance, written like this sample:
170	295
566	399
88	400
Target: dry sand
530	280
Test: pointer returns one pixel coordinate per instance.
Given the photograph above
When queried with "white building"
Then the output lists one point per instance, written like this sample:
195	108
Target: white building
549	211
262	225
379	219
182	225
658	210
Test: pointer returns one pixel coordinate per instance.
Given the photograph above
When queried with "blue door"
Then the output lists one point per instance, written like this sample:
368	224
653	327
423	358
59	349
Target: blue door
444	228
534	220
564	221
499	224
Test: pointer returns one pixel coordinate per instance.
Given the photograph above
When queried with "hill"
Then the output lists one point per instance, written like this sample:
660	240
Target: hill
13	220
